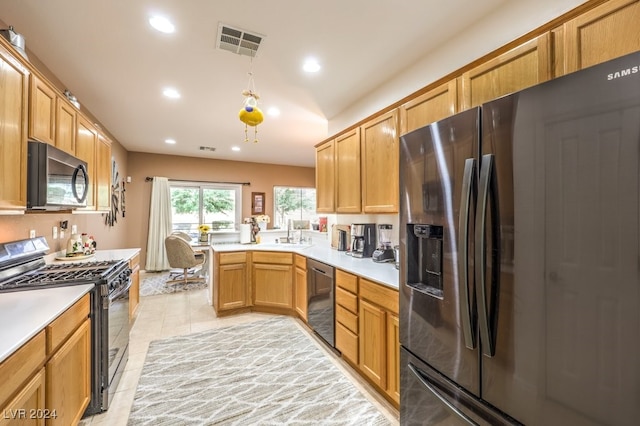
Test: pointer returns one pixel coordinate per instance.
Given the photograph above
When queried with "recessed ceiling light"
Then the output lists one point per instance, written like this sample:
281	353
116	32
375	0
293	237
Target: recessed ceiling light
170	141
273	112
311	65
171	93
162	24
235	148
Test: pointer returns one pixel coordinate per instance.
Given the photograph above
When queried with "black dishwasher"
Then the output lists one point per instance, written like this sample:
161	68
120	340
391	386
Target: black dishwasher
320	297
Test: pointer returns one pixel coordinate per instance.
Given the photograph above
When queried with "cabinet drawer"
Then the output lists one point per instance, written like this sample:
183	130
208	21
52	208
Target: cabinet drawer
272	257
66	323
347	319
347	300
347	281
347	343
21	365
380	295
301	262
233	257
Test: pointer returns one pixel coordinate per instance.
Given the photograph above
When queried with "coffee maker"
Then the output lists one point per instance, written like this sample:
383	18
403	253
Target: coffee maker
363	239
384	252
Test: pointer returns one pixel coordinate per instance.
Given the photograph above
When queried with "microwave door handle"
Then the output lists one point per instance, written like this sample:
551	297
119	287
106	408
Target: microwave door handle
464	298
82	172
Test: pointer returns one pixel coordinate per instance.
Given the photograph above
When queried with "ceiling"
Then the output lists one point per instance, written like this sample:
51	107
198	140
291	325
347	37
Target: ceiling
117	66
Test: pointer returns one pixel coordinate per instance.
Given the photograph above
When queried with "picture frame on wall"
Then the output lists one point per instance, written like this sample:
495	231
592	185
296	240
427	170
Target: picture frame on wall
257	203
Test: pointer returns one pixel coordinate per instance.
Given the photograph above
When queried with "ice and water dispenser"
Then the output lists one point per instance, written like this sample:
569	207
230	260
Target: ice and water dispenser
424	258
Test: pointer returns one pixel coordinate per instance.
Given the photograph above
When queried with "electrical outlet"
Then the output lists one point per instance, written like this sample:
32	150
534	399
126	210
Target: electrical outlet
55	233
74	229
32	233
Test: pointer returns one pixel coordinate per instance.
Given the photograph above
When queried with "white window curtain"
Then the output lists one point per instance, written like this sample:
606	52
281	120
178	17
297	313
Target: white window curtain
159	225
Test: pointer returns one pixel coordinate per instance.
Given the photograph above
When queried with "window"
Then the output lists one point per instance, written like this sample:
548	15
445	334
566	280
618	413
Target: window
293	203
194	203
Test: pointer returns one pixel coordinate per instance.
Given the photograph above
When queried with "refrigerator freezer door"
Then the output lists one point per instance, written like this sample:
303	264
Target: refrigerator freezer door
567	156
429	399
431	175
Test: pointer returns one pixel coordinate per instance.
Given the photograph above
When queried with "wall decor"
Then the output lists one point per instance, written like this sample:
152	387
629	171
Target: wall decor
257	203
111	217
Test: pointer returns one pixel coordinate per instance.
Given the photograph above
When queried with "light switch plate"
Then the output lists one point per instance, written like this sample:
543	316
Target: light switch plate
55	233
32	233
74	229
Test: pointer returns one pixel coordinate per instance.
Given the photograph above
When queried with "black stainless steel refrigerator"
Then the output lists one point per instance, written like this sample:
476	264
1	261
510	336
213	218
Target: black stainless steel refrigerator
520	257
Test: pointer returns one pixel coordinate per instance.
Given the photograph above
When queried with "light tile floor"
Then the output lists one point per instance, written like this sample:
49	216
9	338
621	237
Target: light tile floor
188	312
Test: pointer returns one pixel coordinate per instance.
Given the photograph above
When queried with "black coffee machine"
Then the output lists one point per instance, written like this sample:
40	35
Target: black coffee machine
363	239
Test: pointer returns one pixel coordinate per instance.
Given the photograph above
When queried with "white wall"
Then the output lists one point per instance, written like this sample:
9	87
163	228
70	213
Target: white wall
492	32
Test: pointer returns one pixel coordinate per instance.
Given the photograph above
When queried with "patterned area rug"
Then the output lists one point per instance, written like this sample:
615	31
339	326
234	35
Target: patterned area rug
267	372
154	283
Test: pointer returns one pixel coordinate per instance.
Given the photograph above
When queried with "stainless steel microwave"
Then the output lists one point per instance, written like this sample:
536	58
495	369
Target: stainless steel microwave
55	180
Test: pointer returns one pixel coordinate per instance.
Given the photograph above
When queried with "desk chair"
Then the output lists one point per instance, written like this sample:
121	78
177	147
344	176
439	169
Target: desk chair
182	256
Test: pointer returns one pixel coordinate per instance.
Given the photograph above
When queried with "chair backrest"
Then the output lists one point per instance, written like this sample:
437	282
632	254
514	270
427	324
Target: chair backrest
179	253
182	235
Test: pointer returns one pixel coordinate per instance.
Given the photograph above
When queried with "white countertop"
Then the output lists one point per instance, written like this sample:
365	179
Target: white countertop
99	255
382	273
25	313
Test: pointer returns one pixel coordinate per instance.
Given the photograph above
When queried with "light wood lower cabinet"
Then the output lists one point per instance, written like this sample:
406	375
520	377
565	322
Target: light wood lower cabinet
28	407
346	292
272	276
48	379
301	286
22	387
68	384
379	337
230	280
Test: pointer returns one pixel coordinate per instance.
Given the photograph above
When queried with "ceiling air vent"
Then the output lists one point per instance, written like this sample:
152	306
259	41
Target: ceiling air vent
207	148
238	41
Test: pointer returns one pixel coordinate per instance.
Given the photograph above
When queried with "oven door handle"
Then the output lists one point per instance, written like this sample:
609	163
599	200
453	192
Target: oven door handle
121	292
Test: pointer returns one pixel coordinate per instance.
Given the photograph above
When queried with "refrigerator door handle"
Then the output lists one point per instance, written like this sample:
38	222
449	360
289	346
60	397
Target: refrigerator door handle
464	297
486	320
424	381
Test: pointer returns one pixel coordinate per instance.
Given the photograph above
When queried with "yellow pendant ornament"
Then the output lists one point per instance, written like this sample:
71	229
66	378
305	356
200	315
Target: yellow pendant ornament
250	114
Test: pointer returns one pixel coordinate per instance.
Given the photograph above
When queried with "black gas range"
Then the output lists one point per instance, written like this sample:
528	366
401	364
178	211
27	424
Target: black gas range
23	268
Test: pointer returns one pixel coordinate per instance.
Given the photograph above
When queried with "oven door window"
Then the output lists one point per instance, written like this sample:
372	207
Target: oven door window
118	325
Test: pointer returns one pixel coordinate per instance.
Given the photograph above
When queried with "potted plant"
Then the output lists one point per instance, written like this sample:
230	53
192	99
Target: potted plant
204	233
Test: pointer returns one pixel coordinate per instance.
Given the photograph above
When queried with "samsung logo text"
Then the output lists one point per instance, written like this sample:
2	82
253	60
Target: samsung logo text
623	73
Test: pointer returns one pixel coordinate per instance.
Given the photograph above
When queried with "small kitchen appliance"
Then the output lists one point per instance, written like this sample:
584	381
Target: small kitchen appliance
342	240
363	239
384	252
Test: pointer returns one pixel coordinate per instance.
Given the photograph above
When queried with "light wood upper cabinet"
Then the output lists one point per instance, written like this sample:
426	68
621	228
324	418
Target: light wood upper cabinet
103	173
86	140
429	107
65	126
14	89
325	178
605	32
380	161
348	189
42	111
519	68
